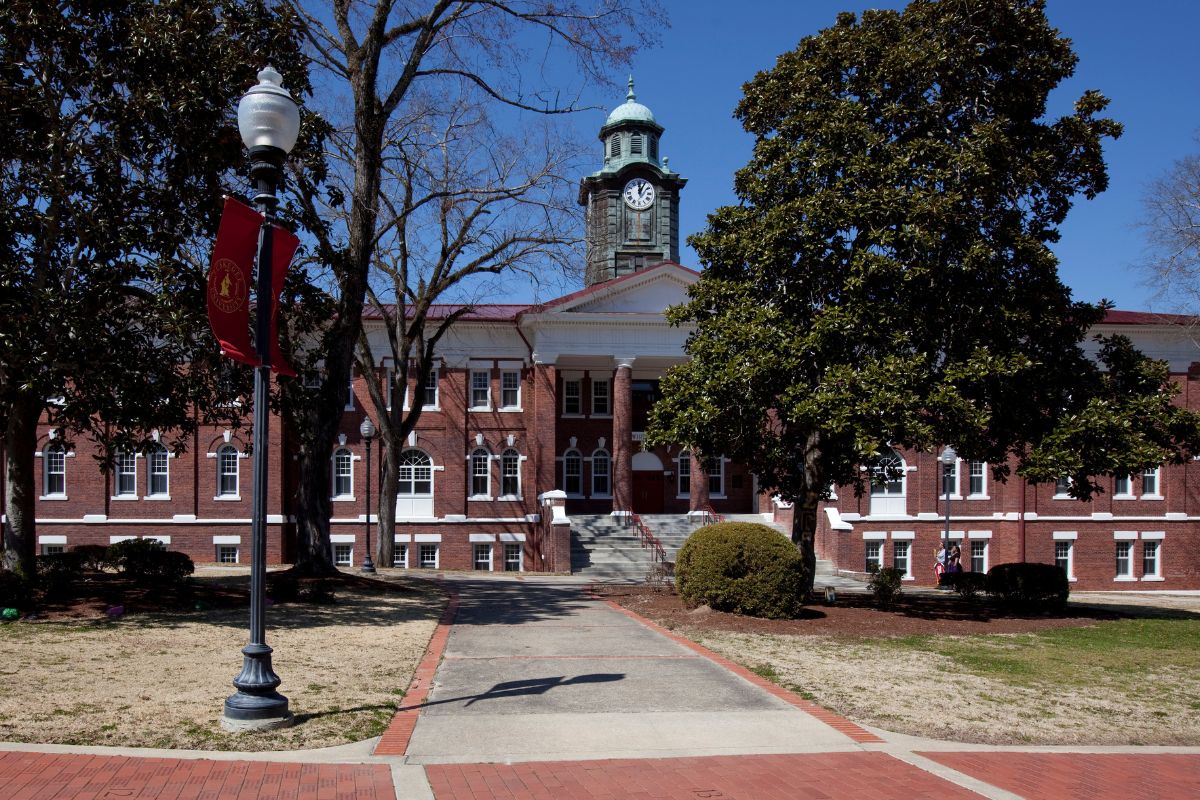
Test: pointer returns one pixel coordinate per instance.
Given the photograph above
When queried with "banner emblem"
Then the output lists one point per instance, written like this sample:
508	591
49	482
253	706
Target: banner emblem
227	286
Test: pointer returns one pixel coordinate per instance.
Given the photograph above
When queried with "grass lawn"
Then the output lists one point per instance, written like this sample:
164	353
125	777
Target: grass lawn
1128	681
159	679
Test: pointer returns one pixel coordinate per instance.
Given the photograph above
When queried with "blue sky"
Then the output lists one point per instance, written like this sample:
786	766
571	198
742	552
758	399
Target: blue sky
1140	55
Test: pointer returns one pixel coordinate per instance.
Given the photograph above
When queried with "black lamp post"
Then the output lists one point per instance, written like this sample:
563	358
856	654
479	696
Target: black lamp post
269	123
367	431
948	459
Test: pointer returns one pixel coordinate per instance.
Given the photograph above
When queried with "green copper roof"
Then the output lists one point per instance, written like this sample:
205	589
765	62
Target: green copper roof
630	110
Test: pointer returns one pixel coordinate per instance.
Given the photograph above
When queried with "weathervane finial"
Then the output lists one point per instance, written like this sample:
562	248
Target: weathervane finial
630	97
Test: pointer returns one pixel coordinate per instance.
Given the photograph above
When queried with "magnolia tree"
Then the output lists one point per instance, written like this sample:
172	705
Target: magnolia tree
886	278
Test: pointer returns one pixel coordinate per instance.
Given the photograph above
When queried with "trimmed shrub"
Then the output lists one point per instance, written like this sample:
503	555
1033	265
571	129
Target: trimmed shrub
174	567
146	561
15	591
967	584
886	585
743	568
1029	587
93	557
58	572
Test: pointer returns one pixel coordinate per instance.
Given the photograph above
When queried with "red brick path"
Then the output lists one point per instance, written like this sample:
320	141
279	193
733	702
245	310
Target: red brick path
1088	776
829	776
394	741
26	776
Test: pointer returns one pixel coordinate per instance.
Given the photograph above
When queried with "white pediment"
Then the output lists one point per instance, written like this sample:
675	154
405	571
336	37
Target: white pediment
650	292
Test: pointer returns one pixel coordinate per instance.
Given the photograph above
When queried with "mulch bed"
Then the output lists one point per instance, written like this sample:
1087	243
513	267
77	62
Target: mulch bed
854	615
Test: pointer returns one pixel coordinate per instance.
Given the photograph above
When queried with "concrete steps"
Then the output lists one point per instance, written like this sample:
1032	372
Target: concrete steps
604	549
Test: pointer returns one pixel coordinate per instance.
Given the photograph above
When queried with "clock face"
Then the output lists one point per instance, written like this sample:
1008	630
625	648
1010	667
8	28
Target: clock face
639	194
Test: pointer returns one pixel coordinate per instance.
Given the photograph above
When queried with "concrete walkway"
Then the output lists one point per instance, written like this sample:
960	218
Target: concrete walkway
534	688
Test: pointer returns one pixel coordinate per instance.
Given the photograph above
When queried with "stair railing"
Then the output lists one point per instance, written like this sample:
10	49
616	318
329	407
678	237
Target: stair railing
648	539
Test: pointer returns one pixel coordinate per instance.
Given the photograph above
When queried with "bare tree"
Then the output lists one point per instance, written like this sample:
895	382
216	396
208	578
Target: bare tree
1171	222
435	214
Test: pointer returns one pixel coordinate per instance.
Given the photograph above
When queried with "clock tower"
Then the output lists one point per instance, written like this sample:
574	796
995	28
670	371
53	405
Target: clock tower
633	201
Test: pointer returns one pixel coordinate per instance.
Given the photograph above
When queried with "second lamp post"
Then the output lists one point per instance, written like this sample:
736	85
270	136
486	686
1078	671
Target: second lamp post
367	431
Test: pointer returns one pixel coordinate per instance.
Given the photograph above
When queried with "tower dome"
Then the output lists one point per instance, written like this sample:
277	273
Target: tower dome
630	110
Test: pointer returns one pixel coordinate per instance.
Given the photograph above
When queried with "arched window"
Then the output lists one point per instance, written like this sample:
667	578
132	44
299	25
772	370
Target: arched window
573	472
888	485
510	473
228	467
158	472
343	473
600	473
481	483
125	473
54	470
416	473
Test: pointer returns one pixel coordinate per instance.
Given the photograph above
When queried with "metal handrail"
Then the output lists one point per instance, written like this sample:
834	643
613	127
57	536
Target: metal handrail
648	539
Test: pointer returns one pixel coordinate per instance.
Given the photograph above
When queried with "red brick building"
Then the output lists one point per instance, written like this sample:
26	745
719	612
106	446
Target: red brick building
530	399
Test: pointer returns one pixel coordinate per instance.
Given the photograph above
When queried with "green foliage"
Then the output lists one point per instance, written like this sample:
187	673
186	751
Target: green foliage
93	557
1029	587
743	568
887	277
967	584
147	561
885	584
58	572
15	591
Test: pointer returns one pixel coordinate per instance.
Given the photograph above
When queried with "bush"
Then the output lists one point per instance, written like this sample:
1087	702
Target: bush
93	557
58	572
967	584
741	567
15	591
886	585
1029	587
146	561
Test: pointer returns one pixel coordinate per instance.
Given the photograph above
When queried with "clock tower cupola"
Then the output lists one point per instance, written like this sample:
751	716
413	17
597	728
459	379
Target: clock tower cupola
632	202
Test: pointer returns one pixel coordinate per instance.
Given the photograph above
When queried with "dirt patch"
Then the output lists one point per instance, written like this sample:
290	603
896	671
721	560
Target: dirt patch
159	678
854	616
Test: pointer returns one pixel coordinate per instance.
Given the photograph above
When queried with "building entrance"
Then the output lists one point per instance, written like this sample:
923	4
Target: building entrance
648	484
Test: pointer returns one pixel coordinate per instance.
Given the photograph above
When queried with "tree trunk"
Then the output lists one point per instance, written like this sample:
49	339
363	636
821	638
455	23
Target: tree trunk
20	487
804	534
389	482
314	553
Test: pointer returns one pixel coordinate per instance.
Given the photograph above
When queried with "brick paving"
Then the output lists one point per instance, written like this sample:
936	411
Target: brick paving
1087	776
40	776
828	776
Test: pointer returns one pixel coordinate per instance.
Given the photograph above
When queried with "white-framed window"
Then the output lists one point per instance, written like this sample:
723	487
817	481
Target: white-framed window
414	491
54	470
1062	488
158	476
227	554
400	556
1124	560
429	389
53	549
350	392
601	403
481	390
889	485
573	472
228	471
979	556
977	479
429	556
716	477
1122	487
510	473
481	481
389	387
1151	559
900	557
125	473
874	556
685	474
600	473
512	557
1064	556
571	399
950	479
510	390
343	474
1151	484
483	557
343	555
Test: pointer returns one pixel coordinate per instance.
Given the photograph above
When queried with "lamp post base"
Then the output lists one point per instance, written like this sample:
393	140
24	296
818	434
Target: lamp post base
256	705
233	725
368	567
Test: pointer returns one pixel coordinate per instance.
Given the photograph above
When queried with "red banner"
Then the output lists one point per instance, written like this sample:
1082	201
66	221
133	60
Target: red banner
229	280
283	247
